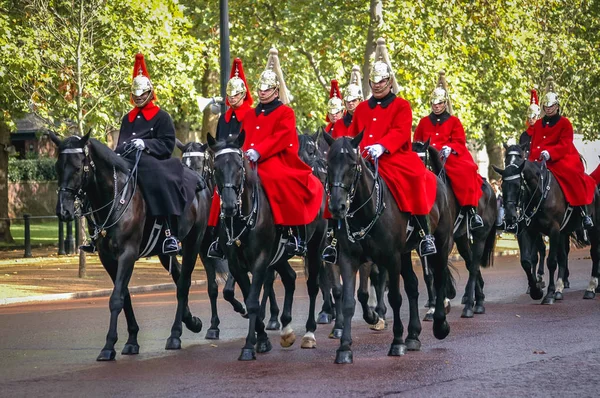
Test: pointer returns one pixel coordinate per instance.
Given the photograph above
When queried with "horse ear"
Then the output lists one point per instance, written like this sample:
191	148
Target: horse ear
505	146
85	138
211	140
427	142
356	140
497	169
239	140
54	138
328	139
179	144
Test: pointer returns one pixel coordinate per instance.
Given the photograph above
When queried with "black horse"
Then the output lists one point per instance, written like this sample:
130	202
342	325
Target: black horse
91	173
358	197
475	246
535	204
195	156
253	243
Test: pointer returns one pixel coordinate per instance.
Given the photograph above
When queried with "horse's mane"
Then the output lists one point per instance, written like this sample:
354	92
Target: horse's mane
434	158
343	145
108	156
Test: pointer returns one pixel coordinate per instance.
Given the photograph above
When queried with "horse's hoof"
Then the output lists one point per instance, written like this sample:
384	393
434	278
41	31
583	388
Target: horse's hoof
130	349
379	326
106	355
589	295
428	317
558	296
288	337
479	309
567	284
536	293
247	355
173	343
441	330
343	357
467	313
263	346
397	350
447	306
464	300
324	318
194	325
413	345
309	341
212	334
335	333
548	300
273	324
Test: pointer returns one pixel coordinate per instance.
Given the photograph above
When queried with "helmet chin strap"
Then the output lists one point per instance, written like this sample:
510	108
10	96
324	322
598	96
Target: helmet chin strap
389	83
238	102
148	99
270	97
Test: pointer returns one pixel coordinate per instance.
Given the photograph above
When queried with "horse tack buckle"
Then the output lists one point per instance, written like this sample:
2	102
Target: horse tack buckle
238	242
103	233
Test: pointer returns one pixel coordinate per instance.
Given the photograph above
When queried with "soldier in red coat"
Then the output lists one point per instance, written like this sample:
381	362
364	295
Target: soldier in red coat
294	193
596	175
533	114
387	123
447	135
335	107
552	141
352	97
239	102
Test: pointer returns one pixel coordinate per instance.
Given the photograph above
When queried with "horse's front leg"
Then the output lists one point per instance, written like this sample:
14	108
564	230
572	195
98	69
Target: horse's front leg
288	278
562	264
327	313
593	288
411	287
117	300
379	281
441	279
430	303
397	347
210	264
526	252
369	315
229	296
316	272
467	251
270	296
337	292
555	243
348	267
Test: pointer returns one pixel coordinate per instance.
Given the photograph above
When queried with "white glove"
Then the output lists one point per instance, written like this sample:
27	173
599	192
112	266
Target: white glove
446	151
375	150
139	144
252	155
545	155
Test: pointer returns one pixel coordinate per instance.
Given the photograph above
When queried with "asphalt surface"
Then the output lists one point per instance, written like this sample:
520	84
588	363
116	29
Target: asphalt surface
517	349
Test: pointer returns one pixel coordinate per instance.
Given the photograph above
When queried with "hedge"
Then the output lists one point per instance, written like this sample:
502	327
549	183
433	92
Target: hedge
41	169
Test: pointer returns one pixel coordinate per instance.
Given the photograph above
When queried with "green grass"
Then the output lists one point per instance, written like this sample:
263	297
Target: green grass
45	233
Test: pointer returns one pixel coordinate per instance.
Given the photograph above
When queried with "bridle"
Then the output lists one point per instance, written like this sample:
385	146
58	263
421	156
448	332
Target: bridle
205	170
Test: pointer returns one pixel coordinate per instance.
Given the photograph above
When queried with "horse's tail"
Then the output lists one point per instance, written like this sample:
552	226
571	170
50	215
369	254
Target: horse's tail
487	260
221	270
578	239
450	281
434	158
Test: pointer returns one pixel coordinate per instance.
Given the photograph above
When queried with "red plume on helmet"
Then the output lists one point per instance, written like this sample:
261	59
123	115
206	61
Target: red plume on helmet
139	69
335	90
534	97
237	70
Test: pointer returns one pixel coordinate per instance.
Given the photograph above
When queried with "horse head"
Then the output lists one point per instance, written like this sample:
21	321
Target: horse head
71	168
421	148
343	171
512	177
514	153
229	172
195	156
311	154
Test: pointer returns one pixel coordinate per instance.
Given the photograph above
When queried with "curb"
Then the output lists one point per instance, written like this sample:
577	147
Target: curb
91	294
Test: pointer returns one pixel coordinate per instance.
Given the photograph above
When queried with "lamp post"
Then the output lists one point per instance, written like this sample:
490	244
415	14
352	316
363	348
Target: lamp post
224	36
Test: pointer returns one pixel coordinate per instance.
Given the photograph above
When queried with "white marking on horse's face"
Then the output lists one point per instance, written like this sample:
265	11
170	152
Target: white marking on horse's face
188	162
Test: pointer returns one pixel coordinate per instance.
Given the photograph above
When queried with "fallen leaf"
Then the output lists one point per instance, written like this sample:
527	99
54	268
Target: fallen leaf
539	352
214	345
518	316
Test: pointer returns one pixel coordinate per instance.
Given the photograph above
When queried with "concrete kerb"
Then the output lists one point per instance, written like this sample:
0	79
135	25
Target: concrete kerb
154	288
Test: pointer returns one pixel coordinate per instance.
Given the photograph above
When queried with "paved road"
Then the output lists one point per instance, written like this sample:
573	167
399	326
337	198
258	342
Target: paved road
517	349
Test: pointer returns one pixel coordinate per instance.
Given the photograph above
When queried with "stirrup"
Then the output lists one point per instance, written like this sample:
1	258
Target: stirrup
214	250
170	245
330	253
427	246
295	247
475	221
587	222
88	248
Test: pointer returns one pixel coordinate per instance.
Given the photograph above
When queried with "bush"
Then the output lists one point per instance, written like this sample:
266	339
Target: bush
41	169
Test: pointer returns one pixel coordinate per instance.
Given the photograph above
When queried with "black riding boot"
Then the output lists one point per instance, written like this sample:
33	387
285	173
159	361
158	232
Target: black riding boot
427	244
475	220
214	250
171	243
330	252
296	244
89	247
586	220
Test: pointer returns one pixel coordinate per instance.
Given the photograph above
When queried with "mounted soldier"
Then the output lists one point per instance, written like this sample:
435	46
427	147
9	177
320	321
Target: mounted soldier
386	121
352	97
271	142
446	134
552	141
150	129
335	107
239	100
533	114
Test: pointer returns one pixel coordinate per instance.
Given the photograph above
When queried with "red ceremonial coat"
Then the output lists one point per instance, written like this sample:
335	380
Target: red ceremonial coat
596	175
555	135
341	127
294	193
230	123
461	169
388	122
329	128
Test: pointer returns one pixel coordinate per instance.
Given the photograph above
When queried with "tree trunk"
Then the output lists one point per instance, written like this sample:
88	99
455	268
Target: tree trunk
5	235
210	86
375	22
494	151
183	132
